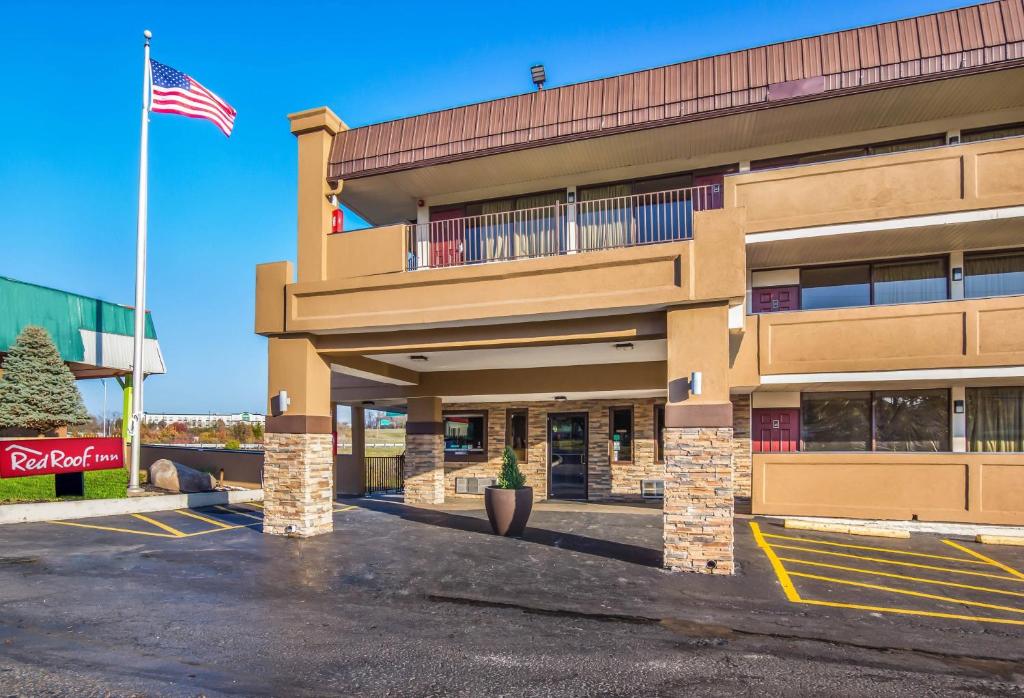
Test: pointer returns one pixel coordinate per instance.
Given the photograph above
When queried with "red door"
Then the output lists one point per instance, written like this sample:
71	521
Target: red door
775	430
447	237
712	195
775	299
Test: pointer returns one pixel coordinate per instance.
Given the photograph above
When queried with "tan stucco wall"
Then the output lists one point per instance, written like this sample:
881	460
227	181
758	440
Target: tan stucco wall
271	280
951	334
365	252
969	487
936	180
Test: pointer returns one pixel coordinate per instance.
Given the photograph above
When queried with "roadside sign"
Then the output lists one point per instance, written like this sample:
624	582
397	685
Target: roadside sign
26	457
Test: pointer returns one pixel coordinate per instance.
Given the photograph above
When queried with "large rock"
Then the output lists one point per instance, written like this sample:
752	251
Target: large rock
175	477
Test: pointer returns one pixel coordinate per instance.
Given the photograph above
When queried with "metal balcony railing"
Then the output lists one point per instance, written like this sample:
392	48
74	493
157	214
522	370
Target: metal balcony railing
585	226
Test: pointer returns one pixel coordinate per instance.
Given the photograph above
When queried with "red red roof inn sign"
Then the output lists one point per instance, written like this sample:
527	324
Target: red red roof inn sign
25	457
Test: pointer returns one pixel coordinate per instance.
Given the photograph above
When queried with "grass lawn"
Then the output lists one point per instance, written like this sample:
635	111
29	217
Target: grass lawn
99	484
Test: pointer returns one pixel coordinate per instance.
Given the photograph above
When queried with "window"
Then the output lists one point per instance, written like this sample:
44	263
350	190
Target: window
996	274
905	420
984	134
620	423
515	433
835	422
659	431
912	420
850	152
835	287
879	283
995	419
465	435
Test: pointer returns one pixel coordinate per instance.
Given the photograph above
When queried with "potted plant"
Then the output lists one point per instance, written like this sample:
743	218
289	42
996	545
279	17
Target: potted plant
510	501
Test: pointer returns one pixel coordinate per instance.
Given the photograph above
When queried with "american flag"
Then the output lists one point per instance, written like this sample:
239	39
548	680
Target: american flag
174	92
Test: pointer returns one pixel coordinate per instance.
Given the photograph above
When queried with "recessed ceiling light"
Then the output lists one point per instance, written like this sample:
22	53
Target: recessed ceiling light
417	357
560	397
624	346
368	402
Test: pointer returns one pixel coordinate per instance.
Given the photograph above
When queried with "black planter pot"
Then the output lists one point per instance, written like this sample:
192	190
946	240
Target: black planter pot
508	510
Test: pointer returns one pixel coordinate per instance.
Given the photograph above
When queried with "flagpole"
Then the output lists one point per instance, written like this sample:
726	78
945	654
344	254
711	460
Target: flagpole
135	428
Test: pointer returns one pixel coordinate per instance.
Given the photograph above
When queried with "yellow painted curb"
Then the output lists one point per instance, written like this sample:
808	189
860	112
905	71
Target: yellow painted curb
999	540
845	528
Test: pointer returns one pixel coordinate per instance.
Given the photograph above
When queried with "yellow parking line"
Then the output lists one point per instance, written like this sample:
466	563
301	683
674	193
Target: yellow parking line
906	592
114	529
169	529
255	504
917	565
780	571
219	530
193	515
238	513
910	612
877	550
350	506
891	575
1005	568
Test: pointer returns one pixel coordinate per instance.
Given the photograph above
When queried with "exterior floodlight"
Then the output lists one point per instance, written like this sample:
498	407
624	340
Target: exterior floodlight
696	382
538	75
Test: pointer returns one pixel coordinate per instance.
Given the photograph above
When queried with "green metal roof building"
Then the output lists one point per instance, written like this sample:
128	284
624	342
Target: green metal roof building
93	336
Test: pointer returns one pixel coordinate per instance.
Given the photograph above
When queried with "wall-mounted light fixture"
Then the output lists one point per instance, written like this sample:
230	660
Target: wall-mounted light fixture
958	406
958	274
696	383
571	197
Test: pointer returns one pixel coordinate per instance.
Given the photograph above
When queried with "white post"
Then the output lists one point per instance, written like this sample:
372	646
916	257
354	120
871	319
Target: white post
140	280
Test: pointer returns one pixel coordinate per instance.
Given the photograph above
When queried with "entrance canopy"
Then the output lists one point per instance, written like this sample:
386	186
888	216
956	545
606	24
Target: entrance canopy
93	336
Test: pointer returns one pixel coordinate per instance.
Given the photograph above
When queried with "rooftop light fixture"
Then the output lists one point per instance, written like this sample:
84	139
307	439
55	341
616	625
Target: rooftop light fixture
417	357
624	346
538	75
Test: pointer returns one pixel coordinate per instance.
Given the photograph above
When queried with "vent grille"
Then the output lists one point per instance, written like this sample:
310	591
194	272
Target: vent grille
652	489
473	485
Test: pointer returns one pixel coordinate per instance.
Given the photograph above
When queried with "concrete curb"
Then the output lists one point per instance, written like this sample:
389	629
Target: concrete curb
999	540
964	530
89	508
876	531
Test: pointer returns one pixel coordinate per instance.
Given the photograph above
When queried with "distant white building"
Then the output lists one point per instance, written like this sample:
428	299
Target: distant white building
205	420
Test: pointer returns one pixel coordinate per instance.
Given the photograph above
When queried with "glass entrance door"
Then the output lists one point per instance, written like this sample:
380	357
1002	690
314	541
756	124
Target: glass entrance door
567	446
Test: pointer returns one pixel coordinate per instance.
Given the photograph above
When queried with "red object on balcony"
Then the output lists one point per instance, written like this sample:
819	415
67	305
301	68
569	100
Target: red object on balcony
447	238
775	299
775	430
337	220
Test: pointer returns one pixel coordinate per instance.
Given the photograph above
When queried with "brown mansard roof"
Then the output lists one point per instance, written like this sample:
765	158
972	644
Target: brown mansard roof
969	39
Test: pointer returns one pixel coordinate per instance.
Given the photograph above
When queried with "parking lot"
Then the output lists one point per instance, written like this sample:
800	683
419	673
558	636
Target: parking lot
425	600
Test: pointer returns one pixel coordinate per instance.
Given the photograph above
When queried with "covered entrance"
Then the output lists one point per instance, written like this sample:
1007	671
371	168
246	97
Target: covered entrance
567	464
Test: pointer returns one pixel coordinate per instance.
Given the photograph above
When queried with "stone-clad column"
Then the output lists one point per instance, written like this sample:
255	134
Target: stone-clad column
699	445
298	466
424	452
698	507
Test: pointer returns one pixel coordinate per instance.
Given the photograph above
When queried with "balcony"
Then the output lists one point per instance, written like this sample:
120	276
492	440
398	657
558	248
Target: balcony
976	333
559	229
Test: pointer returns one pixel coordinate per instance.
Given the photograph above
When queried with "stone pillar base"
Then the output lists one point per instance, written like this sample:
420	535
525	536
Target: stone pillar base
698	508
424	469
297	477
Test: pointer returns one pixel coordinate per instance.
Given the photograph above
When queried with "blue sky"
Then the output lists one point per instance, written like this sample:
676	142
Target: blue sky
70	119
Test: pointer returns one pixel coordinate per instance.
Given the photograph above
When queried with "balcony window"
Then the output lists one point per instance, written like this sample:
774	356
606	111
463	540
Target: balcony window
985	134
836	422
911	420
516	433
998	274
620	422
905	420
995	419
880	283
465	436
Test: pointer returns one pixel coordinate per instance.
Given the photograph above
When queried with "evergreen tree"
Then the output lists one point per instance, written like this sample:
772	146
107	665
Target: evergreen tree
511	477
37	389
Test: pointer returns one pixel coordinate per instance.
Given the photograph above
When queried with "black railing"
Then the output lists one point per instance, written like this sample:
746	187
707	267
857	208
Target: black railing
385	474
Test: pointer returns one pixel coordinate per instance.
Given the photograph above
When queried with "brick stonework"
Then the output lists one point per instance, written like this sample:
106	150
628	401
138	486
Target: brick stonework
741	459
424	469
607	481
297	482
698	509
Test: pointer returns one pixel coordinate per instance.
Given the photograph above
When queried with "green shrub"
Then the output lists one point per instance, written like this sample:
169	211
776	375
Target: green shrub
511	477
232	445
